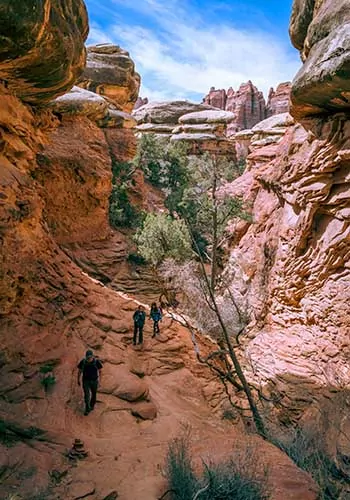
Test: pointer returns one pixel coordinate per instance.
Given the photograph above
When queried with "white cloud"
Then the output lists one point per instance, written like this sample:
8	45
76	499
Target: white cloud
186	55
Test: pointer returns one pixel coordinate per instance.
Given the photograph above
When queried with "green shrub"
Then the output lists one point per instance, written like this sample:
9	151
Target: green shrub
48	381
163	237
136	259
48	367
179	470
235	479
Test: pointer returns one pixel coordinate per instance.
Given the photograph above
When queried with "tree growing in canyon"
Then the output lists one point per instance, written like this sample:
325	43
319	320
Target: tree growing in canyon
207	208
194	191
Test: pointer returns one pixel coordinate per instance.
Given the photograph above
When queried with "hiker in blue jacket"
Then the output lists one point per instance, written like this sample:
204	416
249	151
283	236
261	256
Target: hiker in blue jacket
156	315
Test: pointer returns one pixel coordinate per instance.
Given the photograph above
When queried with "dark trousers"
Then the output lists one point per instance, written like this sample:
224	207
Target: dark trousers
155	327
138	329
90	390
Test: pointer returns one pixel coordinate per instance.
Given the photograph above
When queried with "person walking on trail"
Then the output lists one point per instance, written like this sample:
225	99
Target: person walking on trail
156	315
90	369
139	318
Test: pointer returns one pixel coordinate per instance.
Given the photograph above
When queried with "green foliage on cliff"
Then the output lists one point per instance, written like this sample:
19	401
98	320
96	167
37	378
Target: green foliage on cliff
165	165
121	212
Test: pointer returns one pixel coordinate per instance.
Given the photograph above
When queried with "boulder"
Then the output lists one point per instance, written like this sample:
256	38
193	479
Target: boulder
321	31
145	410
81	102
210	116
278	121
42	51
167	112
111	73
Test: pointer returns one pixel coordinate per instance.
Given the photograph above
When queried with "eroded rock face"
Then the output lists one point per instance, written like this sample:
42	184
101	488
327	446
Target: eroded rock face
205	131
111	73
292	264
42	47
278	100
248	104
320	30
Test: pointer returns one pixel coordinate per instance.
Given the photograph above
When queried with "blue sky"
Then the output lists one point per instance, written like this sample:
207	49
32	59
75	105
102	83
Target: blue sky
183	47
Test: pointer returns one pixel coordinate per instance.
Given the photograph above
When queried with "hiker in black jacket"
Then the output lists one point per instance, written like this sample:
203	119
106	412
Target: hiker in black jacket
139	318
90	368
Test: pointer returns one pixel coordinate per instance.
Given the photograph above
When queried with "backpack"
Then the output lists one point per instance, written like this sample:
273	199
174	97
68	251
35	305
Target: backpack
94	364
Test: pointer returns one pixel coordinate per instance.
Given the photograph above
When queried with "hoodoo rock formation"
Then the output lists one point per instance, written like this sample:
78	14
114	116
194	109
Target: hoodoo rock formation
202	127
248	104
111	73
292	263
278	100
55	179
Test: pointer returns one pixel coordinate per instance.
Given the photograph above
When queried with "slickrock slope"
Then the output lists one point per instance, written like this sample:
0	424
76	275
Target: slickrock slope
292	263
248	104
51	311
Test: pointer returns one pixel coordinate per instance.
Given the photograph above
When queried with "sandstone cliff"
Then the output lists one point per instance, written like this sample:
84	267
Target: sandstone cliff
55	181
292	263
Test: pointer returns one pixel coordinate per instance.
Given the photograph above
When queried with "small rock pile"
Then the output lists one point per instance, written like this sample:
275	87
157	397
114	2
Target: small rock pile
77	452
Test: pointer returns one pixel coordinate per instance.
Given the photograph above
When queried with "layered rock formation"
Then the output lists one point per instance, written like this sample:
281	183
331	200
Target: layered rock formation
111	73
292	263
43	35
205	131
54	187
264	133
202	127
320	30
248	104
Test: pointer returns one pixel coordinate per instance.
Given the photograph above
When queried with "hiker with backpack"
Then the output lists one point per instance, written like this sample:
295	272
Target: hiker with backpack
90	370
156	315
139	318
